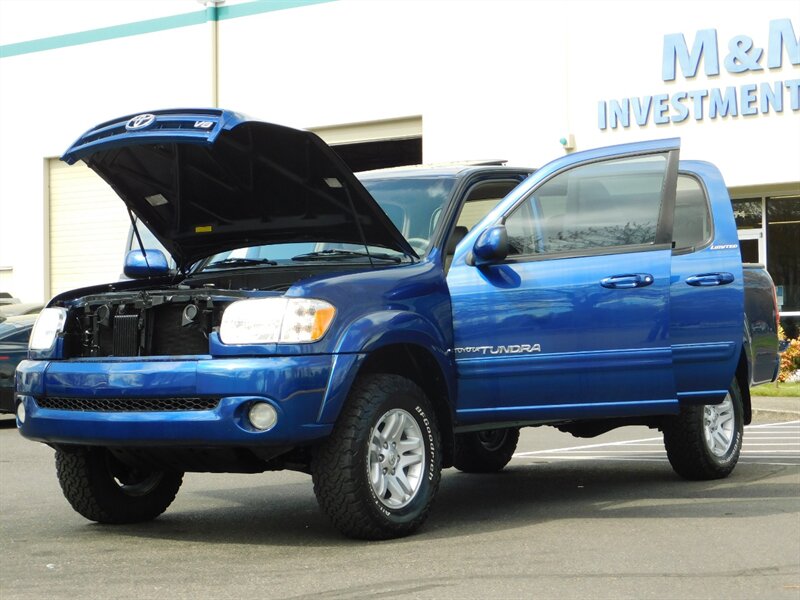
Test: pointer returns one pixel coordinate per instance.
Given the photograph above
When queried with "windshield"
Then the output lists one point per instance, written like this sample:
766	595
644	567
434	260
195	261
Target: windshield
414	205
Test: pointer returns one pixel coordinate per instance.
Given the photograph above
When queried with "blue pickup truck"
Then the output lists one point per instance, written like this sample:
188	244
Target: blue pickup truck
374	330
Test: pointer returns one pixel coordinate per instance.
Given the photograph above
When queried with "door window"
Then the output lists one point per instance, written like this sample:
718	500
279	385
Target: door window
599	206
481	199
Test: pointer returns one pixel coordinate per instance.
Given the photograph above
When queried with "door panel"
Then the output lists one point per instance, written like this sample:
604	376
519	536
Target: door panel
575	323
706	299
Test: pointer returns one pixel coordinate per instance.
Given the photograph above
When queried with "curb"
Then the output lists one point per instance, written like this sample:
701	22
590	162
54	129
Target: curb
774	415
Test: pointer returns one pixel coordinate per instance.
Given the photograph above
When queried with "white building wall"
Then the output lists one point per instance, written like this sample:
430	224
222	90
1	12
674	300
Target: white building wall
616	51
491	79
50	97
488	78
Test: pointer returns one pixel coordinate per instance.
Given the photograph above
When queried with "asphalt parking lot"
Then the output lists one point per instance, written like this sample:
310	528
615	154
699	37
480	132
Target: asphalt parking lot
569	518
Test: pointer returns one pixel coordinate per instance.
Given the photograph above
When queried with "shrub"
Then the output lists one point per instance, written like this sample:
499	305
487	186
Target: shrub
790	359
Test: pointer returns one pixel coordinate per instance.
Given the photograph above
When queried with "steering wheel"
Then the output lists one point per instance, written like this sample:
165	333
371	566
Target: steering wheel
420	245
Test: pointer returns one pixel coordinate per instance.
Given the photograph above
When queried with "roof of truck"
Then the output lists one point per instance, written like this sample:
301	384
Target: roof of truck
450	168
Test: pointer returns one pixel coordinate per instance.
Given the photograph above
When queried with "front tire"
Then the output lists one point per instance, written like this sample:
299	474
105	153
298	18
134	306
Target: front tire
704	441
377	473
103	489
485	451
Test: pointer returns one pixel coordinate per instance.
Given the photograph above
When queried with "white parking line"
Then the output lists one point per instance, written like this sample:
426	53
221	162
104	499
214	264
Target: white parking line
585	447
769	444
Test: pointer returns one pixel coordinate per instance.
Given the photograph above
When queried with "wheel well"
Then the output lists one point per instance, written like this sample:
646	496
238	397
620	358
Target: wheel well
418	365
743	379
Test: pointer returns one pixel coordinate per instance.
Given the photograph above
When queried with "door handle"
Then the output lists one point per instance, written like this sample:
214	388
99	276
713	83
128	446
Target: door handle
708	279
631	280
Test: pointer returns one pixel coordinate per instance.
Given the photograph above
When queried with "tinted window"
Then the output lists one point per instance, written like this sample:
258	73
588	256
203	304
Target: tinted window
21	337
692	224
601	205
412	203
11	332
481	199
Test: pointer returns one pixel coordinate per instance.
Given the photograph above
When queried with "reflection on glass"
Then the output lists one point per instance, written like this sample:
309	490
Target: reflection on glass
783	248
601	205
747	213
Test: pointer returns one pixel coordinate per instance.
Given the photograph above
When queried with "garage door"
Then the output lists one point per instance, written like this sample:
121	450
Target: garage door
88	228
376	144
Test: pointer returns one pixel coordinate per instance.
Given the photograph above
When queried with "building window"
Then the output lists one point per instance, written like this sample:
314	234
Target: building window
748	213
783	249
769	233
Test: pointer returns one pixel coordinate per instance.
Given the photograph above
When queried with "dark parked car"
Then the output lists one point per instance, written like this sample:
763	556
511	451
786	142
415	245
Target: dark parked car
14	335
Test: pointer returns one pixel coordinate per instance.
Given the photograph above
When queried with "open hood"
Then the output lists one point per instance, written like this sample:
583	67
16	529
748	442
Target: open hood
208	180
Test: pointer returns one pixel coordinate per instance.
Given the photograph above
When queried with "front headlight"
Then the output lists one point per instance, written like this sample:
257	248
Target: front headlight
47	327
275	320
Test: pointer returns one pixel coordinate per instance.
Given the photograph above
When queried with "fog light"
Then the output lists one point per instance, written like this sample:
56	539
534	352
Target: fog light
262	416
21	412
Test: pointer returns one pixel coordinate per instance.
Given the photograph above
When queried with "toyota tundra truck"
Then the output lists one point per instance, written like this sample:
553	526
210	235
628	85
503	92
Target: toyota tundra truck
374	330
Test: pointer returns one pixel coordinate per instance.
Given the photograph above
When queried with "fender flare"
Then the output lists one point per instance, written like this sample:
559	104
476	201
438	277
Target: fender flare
371	333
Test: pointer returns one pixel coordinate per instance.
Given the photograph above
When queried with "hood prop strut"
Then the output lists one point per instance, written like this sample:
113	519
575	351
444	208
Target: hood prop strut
358	226
139	239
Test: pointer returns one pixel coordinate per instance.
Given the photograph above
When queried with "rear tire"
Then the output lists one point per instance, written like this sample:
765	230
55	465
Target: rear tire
485	451
103	489
377	473
704	441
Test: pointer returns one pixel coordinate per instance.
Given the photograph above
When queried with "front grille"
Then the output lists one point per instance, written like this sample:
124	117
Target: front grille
127	404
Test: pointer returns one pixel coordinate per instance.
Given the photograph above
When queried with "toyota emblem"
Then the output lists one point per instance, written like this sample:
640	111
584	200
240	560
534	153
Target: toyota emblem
140	122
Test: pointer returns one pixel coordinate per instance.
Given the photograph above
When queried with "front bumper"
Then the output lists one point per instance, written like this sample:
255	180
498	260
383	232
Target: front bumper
296	386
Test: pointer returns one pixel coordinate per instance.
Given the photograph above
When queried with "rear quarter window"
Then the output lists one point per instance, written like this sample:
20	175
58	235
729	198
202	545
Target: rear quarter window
691	227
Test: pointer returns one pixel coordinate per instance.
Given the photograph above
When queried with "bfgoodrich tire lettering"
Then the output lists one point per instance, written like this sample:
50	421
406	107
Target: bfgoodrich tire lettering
704	442
376	475
102	489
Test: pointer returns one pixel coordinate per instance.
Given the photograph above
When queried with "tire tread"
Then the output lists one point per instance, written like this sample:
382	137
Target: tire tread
685	446
342	497
90	495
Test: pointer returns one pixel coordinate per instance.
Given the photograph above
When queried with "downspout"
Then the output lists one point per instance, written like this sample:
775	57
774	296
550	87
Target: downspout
212	16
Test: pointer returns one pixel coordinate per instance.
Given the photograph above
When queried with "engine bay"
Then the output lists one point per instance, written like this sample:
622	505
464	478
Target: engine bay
145	323
171	320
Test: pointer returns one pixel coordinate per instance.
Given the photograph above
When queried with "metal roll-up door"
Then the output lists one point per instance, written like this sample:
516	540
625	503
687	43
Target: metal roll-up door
376	144
88	228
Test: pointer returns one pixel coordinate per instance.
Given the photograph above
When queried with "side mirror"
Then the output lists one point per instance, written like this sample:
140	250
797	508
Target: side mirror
139	267
491	246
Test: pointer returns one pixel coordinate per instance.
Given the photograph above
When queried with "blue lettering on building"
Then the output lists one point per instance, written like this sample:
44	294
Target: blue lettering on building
676	50
741	56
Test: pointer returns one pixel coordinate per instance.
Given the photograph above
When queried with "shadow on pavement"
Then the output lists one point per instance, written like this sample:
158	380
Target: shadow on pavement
523	495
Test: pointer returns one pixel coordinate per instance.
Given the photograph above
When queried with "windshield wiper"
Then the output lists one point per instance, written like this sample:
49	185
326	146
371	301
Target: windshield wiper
335	254
240	262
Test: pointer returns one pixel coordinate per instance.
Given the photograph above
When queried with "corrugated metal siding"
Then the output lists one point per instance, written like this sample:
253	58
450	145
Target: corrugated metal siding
370	131
88	228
